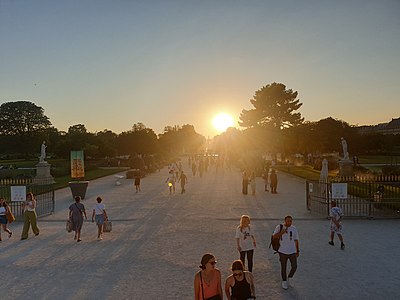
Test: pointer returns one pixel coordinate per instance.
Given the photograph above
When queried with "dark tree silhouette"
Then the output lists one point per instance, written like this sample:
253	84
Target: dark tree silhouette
274	106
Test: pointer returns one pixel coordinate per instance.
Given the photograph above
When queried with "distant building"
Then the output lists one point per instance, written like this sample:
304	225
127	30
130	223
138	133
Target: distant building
393	127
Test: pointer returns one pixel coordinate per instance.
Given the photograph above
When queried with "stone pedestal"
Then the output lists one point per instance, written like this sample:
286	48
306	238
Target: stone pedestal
78	188
43	175
346	167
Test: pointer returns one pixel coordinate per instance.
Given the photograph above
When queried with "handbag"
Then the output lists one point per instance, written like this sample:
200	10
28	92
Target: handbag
107	226
10	216
68	225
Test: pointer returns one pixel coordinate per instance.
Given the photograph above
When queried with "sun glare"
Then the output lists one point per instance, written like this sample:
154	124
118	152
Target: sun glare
222	122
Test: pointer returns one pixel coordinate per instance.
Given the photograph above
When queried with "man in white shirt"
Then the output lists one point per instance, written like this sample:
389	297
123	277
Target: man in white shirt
288	248
336	215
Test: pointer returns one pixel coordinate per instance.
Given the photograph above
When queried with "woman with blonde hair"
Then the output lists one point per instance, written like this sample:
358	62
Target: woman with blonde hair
245	241
240	284
207	282
30	217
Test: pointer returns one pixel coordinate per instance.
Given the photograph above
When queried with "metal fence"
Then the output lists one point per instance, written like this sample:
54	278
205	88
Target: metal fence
44	194
370	197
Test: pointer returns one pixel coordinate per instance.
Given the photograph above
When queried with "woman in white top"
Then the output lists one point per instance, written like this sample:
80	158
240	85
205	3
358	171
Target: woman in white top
30	217
100	215
245	241
4	208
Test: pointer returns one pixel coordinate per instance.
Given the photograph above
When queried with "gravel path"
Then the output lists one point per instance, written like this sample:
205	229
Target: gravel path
158	240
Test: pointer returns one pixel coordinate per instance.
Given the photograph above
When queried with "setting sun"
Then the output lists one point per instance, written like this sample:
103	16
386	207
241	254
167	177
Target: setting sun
222	121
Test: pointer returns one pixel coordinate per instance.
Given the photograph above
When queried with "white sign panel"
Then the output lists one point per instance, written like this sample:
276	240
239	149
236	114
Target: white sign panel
339	190
18	193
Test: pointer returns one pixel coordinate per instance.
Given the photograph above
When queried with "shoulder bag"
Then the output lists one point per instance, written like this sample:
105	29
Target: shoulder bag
10	216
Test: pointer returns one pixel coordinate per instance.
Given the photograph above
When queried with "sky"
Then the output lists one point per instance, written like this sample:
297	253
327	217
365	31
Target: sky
111	64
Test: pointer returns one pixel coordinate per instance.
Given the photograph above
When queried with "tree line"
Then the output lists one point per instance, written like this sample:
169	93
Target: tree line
274	125
24	126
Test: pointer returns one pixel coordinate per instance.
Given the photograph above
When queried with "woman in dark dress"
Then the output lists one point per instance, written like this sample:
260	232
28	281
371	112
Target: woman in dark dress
76	213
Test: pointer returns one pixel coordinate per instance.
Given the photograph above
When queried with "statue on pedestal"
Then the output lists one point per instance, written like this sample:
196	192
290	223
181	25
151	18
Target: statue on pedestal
344	146
42	157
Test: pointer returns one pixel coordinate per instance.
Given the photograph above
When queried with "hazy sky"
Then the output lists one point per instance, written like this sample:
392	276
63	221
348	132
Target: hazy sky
110	64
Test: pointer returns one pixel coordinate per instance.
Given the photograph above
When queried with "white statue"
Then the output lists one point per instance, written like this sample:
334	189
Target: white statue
344	146
43	152
323	177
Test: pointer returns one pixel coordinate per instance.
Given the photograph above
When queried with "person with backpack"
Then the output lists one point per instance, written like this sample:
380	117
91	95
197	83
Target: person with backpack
245	241
288	249
336	215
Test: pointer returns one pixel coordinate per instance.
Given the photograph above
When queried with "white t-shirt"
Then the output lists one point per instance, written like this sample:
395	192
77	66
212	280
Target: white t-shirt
98	208
244	236
2	210
287	244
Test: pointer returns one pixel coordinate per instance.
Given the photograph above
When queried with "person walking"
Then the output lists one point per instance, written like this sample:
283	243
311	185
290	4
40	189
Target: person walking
245	183
4	209
265	177
245	241
171	181
76	213
253	183
207	282
99	215
30	217
240	284
336	215
288	248
273	181
183	180
137	180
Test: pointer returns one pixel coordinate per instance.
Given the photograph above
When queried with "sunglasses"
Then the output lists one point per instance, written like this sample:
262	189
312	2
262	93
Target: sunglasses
238	274
212	263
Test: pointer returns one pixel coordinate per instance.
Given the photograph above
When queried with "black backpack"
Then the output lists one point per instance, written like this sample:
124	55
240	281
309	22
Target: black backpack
275	243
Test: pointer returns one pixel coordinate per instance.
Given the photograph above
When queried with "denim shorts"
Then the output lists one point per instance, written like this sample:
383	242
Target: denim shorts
99	219
3	219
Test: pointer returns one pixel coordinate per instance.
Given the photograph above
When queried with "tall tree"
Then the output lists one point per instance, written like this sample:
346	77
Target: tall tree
274	106
22	118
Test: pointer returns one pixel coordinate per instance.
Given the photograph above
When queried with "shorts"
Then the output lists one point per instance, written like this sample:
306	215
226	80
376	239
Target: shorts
3	219
336	229
99	219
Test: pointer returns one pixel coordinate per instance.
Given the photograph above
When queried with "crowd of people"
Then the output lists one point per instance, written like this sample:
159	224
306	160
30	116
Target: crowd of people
270	180
240	284
76	216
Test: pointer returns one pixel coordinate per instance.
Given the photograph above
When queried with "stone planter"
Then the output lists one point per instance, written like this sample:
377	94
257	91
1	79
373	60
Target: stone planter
78	188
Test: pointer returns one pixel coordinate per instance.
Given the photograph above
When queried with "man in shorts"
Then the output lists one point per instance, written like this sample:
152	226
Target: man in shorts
336	215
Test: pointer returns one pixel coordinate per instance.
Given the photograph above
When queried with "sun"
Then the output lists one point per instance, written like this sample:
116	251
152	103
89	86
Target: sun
222	122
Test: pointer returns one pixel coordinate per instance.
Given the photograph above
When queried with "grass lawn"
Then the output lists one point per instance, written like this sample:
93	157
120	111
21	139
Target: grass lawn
62	181
379	159
306	172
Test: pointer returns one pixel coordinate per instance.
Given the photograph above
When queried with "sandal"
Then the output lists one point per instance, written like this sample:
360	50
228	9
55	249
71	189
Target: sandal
10	234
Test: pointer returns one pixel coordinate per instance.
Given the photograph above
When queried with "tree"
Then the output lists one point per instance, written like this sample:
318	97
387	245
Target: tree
274	106
22	118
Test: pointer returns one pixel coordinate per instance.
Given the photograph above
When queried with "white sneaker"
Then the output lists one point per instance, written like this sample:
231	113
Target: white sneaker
284	285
